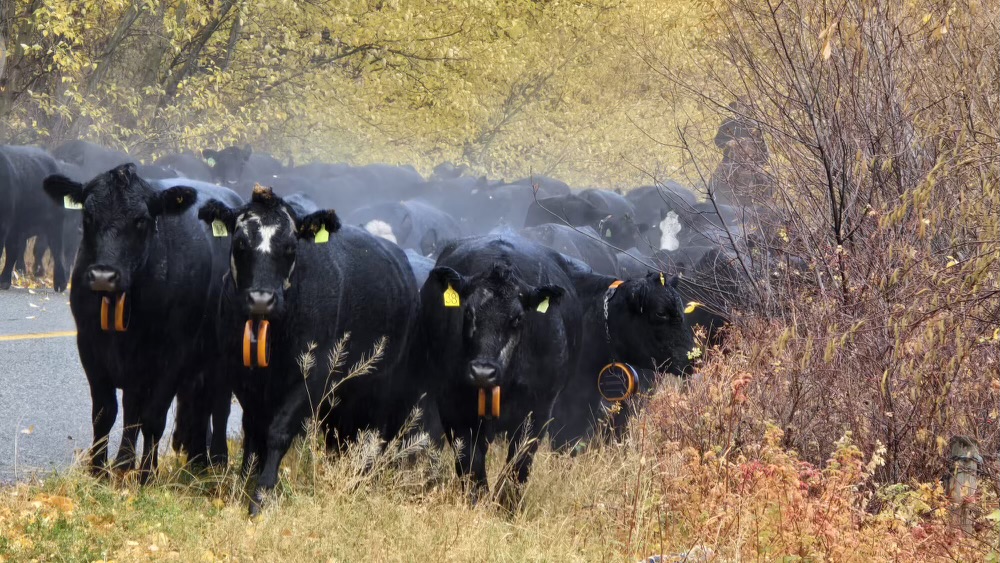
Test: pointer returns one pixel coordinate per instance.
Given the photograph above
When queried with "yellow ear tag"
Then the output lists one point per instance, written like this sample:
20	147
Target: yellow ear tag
691	307
70	203
210	162
180	200
219	229
322	235
543	307
663	283
607	233
451	297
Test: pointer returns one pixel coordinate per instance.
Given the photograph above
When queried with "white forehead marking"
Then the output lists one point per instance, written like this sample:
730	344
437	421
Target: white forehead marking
381	229
266	232
670	227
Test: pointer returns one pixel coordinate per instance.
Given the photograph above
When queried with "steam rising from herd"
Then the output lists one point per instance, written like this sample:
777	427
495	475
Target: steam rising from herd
524	308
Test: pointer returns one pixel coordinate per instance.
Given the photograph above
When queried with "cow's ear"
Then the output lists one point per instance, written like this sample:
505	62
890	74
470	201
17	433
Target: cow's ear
214	210
62	190
674	281
641	228
172	201
314	223
541	298
429	242
405	228
446	277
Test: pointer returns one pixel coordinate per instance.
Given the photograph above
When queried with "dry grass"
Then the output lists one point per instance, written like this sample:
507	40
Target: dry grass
731	498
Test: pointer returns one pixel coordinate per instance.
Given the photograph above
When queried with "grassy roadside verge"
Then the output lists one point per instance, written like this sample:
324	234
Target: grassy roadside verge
646	496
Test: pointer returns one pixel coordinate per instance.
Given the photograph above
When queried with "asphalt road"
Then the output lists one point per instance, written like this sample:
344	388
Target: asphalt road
44	398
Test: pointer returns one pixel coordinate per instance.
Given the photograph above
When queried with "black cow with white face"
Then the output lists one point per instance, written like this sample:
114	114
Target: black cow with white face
500	316
141	290
311	281
639	322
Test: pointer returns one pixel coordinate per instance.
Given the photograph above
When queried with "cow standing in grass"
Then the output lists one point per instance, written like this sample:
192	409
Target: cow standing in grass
141	298
501	320
310	282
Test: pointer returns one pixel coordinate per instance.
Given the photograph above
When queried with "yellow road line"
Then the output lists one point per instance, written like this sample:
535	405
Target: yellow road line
36	336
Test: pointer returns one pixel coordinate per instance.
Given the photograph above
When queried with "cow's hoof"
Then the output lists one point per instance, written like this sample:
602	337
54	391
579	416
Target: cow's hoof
255	506
5	284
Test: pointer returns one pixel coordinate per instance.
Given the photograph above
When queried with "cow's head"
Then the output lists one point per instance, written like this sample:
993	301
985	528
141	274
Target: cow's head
120	213
495	306
265	236
621	231
228	164
646	323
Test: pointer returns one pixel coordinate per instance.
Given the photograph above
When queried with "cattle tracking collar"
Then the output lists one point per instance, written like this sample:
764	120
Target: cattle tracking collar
256	344
616	381
494	403
118	308
612	289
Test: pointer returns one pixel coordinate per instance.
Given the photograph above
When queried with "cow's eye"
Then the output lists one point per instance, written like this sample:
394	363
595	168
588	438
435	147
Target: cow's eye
241	244
140	223
289	249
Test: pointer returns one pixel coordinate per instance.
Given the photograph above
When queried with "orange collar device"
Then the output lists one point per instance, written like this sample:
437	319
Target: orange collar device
121	320
256	345
494	405
617	381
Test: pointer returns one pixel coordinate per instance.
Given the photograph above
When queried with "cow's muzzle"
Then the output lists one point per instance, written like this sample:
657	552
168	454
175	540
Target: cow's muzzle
483	373
103	279
260	302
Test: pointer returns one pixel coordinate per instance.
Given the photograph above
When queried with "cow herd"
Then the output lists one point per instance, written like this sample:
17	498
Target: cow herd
519	308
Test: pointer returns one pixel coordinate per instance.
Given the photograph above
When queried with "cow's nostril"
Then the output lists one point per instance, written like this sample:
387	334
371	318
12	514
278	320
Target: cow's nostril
483	374
103	279
261	302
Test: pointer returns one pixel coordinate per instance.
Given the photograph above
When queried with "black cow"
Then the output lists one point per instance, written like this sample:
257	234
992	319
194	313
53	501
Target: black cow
27	211
500	318
639	322
410	224
140	296
312	282
93	159
240	168
579	242
665	208
187	165
710	281
204	402
608	213
569	208
545	185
